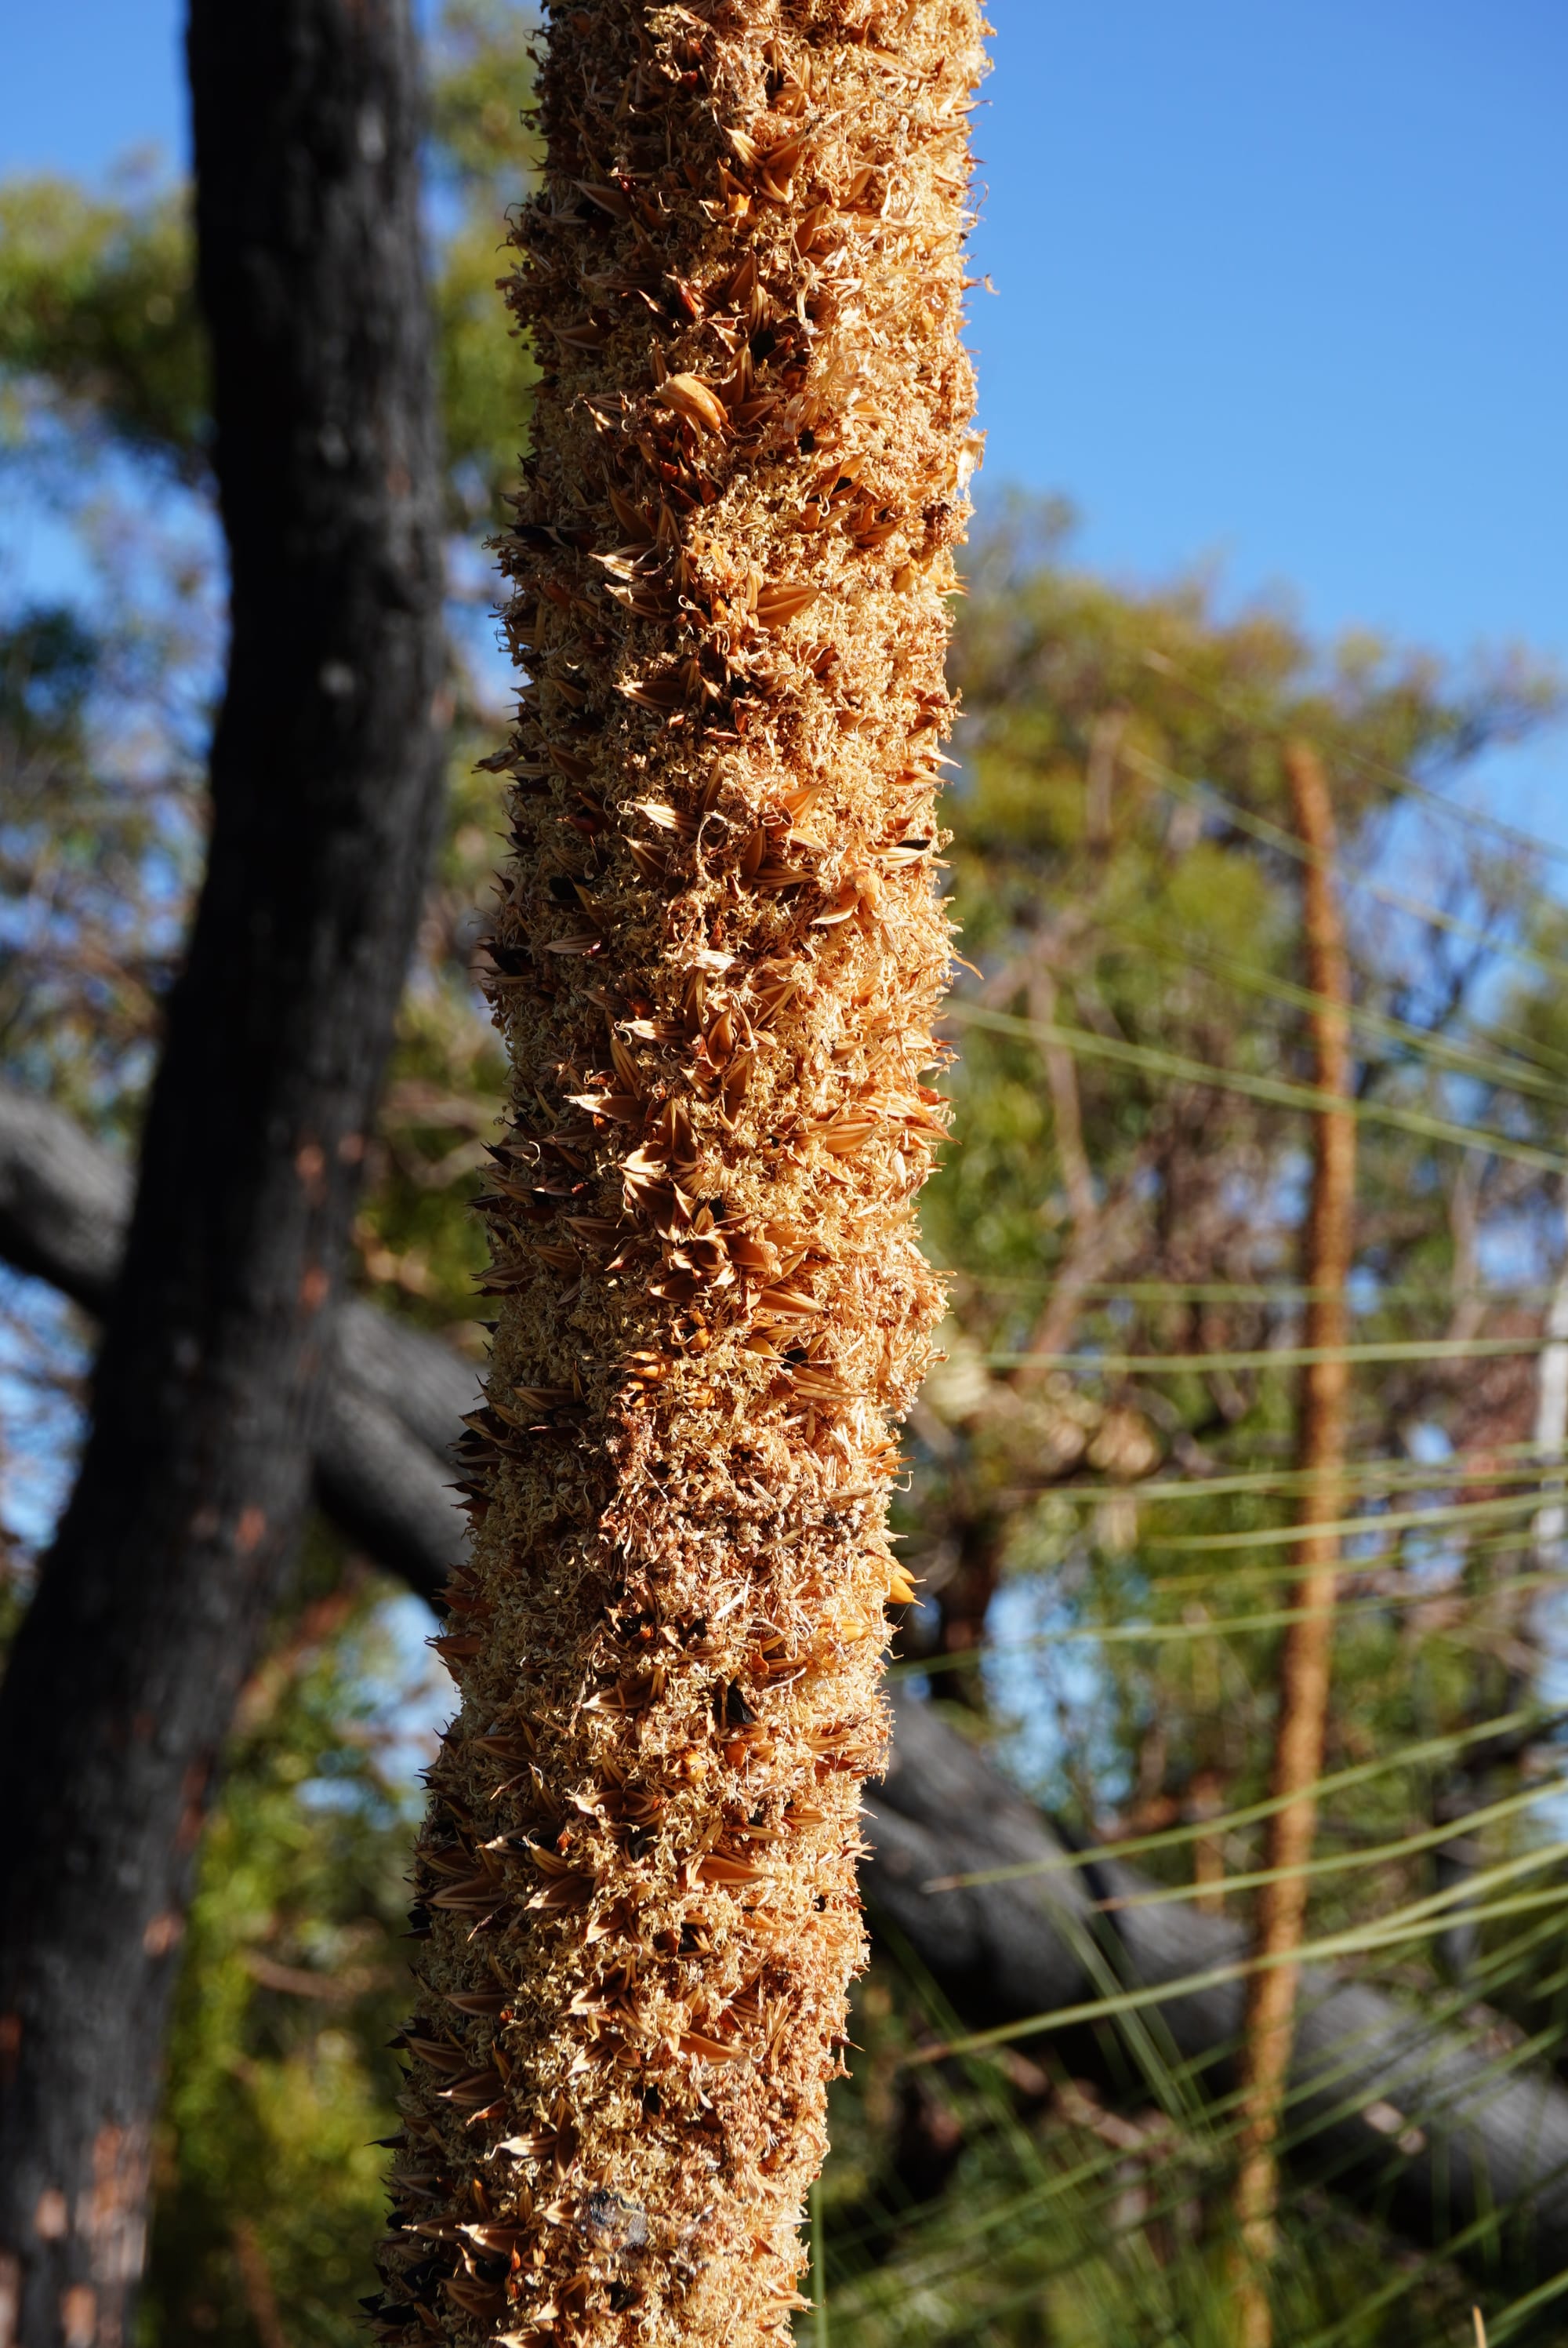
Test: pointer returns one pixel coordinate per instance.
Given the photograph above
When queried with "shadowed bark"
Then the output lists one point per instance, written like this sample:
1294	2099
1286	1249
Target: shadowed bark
325	785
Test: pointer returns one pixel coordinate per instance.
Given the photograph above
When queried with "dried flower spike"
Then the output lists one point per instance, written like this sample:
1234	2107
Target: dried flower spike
718	955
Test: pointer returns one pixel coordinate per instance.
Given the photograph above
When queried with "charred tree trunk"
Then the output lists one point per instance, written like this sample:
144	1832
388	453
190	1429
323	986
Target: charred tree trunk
721	952
1307	1658
325	786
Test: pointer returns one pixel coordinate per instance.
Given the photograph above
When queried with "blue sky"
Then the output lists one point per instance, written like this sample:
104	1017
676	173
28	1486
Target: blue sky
1285	281
1278	286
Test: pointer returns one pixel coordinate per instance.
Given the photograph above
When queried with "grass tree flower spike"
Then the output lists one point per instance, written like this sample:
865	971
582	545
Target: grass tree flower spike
718	957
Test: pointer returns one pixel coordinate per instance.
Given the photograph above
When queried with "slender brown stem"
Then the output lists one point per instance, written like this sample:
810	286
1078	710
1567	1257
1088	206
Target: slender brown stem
1305	1662
255	2276
1099	779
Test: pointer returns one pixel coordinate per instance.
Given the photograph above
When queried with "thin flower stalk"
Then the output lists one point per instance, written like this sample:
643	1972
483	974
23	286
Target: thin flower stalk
1307	1657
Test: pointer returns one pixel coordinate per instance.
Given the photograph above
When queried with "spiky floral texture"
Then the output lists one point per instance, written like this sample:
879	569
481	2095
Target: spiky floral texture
718	958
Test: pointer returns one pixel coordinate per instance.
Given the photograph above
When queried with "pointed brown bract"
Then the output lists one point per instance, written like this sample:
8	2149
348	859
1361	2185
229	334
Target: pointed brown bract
718	958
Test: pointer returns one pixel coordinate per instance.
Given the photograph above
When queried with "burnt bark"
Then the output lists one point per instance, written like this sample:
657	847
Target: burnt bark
1490	2136
325	777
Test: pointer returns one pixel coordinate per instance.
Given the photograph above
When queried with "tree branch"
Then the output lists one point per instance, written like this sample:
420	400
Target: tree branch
390	1411
65	1201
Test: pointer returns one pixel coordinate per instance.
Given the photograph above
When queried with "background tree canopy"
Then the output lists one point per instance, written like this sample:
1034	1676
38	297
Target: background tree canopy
1099	1504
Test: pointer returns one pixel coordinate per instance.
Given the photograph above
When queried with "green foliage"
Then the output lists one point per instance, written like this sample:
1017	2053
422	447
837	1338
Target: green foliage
1122	876
1087	1207
420	1247
268	2183
1007	2200
97	307
485	377
97	310
483	72
99	847
481	82
1086	868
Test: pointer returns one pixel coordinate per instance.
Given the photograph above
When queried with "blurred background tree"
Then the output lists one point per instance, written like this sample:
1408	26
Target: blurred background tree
1101	1488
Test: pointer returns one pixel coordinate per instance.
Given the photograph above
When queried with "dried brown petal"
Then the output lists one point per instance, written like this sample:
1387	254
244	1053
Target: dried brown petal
689	396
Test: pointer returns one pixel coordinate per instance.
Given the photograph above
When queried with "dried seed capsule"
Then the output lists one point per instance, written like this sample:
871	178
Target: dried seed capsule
730	562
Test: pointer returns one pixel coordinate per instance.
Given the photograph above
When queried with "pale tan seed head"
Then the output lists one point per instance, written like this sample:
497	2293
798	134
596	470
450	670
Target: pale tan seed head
719	951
